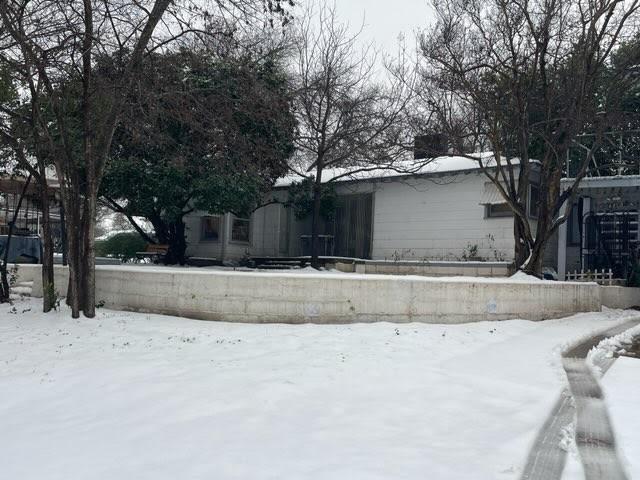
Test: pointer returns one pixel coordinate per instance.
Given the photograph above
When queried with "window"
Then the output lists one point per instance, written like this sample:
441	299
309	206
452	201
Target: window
498	210
210	229
534	198
240	230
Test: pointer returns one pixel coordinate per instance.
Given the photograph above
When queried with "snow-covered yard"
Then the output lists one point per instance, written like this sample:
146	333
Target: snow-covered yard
622	390
129	395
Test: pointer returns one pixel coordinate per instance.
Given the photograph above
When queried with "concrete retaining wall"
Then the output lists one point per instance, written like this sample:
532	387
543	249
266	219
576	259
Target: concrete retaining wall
27	272
330	298
620	297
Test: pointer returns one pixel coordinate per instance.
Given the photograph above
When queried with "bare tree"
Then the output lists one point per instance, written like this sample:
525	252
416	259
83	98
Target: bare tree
52	46
5	284
346	119
524	80
25	154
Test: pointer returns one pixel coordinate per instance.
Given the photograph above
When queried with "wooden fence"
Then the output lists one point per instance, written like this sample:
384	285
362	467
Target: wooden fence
602	277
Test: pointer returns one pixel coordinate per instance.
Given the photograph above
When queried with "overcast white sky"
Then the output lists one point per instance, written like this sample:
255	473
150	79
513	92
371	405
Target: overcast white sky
384	20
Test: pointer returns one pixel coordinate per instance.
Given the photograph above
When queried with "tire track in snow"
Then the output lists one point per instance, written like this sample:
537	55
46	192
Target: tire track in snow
594	436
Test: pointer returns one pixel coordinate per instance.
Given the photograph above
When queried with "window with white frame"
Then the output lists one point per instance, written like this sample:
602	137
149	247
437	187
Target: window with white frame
498	210
240	230
210	228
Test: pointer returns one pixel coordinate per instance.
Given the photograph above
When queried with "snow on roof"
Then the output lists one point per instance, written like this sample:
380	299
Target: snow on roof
610	181
404	168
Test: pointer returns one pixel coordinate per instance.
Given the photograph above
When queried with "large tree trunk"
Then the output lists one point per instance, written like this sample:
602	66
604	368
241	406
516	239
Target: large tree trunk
177	244
80	221
89	251
173	235
48	283
534	264
5	284
72	205
521	246
546	221
315	216
63	239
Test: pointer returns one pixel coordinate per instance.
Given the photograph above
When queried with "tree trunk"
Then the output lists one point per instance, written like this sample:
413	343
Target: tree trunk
48	284
315	217
74	237
177	244
549	192
521	250
534	265
89	250
80	219
5	284
63	239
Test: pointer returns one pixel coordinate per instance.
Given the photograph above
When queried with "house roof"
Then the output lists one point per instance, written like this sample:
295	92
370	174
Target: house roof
605	182
19	177
15	184
404	168
614	193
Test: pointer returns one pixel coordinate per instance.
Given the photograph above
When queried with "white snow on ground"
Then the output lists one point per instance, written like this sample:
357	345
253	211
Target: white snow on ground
573	469
621	400
622	390
520	276
130	395
607	347
310	272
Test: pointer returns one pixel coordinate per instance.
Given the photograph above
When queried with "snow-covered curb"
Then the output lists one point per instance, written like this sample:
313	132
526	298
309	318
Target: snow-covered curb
622	316
602	353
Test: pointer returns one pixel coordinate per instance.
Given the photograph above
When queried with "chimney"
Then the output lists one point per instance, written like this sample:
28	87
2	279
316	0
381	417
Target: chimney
429	145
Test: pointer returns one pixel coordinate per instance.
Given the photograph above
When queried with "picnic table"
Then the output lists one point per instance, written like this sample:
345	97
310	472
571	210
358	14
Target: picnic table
153	252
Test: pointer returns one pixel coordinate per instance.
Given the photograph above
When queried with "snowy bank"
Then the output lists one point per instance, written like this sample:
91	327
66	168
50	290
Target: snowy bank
622	393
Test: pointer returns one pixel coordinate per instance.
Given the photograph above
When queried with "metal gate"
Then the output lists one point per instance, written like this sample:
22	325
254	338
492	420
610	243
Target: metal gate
611	242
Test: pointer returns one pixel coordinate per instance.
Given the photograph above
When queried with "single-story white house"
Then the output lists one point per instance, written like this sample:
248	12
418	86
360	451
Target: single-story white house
447	210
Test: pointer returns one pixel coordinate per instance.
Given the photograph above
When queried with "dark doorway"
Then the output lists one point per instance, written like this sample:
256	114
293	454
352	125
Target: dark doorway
352	226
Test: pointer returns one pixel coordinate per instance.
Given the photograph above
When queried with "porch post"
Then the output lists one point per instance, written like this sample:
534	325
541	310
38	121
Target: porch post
224	236
586	209
562	244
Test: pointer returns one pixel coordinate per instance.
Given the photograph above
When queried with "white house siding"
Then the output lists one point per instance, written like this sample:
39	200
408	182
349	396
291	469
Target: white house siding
421	218
223	248
236	250
266	225
437	218
267	234
195	246
270	227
